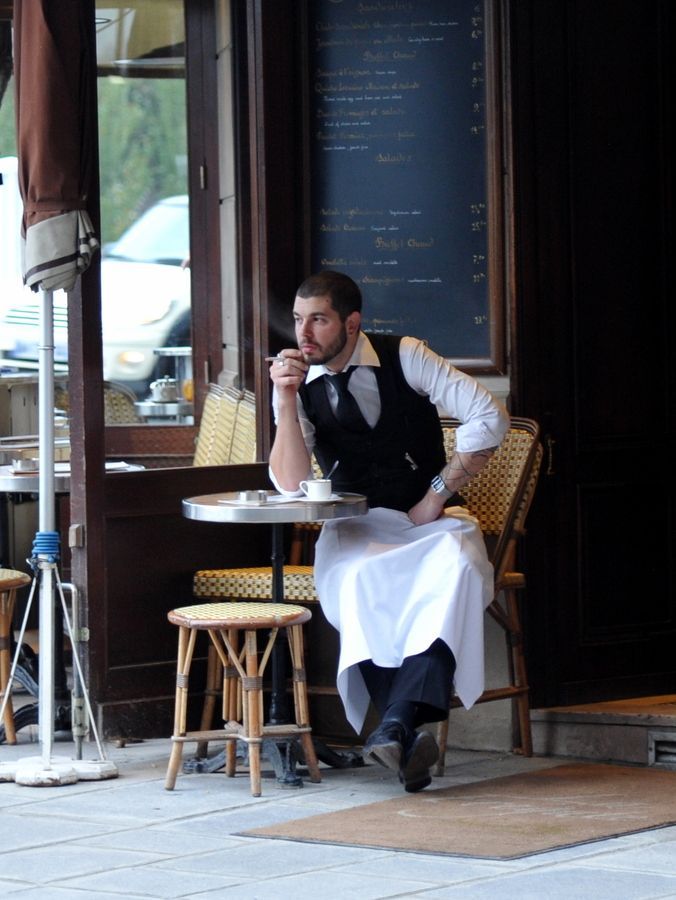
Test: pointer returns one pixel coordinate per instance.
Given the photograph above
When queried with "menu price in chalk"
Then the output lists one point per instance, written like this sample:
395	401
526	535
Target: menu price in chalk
399	163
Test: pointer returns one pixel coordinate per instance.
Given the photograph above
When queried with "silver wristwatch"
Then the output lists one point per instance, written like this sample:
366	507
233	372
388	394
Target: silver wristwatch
438	486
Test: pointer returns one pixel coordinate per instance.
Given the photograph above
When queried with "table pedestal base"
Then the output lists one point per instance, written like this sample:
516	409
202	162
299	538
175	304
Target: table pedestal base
283	756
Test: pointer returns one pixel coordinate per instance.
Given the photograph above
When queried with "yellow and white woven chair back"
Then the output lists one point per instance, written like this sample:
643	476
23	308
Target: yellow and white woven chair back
217	425
254	583
490	494
243	448
118	404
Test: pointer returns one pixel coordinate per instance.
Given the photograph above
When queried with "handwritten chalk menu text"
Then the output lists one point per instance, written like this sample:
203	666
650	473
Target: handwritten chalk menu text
398	179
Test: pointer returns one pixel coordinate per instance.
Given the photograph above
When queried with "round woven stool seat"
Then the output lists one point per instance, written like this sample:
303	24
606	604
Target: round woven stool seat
239	615
255	583
12	578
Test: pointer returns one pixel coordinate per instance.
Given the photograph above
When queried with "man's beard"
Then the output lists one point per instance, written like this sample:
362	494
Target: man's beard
322	356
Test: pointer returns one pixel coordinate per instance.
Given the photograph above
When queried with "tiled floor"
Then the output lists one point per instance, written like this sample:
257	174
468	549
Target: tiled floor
128	837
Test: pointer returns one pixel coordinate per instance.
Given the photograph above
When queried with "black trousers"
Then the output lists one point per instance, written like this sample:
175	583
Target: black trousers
425	679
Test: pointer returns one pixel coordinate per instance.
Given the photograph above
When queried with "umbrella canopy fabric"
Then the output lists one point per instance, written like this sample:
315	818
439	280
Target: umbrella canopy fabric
53	71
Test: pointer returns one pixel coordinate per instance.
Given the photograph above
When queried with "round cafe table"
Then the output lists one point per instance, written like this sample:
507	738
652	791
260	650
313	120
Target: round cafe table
270	508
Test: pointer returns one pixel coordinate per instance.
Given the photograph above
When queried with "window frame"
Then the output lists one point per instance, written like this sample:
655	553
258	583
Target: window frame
176	441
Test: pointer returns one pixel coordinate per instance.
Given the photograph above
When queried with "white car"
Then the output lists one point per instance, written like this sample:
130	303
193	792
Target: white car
145	299
11	208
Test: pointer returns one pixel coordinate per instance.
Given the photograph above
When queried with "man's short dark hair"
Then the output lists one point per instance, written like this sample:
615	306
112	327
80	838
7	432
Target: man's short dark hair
343	291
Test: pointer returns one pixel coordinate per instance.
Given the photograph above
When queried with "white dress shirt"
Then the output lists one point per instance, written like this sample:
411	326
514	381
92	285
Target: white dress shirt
484	421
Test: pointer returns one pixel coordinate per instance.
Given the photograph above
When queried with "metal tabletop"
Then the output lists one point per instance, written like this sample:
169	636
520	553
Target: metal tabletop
227	507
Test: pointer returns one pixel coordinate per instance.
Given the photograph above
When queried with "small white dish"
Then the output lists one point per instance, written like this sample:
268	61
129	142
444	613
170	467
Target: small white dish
331	499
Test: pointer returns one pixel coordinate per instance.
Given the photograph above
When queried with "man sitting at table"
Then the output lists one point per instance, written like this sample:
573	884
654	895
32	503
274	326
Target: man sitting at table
405	585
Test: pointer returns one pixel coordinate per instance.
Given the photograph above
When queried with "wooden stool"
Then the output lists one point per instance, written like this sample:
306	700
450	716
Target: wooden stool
229	585
241	669
10	580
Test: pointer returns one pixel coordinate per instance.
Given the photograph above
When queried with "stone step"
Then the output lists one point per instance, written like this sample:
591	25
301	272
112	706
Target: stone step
641	731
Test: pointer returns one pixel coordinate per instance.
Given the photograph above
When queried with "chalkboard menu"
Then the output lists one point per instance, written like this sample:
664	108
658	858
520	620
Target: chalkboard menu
399	165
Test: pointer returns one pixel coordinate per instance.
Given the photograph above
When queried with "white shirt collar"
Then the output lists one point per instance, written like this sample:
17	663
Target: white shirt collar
363	355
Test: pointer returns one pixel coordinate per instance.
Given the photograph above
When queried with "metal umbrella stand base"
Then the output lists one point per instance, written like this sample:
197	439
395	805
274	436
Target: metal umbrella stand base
32	771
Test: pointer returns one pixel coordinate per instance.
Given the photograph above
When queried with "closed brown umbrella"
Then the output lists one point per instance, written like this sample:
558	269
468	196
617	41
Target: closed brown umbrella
55	73
54	66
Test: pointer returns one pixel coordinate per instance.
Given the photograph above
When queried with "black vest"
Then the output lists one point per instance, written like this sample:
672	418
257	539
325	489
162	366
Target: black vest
394	462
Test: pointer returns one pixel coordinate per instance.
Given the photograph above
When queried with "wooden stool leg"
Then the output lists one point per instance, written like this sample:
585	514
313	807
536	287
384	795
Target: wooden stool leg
300	700
231	701
231	686
252	689
230	758
186	645
211	691
6	612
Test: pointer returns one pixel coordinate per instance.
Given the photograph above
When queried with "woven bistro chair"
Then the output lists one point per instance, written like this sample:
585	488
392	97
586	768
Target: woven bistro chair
243	448
500	497
10	582
243	670
207	430
217	425
118	403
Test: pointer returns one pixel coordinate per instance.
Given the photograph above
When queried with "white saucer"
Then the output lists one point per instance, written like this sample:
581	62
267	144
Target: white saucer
331	499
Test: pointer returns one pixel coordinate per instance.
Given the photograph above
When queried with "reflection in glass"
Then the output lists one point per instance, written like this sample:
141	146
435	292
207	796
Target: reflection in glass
145	269
145	260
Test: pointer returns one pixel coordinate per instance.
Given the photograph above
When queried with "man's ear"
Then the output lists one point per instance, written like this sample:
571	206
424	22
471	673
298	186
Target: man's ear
353	322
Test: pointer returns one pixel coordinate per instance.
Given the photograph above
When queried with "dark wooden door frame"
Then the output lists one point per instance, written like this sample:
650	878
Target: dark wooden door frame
592	318
203	186
269	164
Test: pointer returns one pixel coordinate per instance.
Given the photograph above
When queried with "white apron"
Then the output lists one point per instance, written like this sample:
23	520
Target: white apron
391	588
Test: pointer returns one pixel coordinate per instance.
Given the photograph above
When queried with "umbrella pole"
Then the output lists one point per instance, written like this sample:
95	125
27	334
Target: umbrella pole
46	524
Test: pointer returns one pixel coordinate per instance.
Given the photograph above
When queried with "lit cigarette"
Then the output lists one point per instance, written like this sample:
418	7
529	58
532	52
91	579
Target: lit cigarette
273	358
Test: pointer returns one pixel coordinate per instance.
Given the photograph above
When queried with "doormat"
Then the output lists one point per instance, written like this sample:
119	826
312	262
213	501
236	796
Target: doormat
502	818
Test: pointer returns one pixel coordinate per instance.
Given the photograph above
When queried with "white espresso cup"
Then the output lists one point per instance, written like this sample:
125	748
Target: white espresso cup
317	488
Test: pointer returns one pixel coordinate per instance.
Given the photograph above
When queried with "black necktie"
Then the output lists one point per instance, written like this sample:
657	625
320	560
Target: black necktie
347	411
